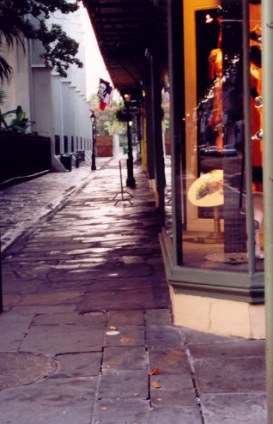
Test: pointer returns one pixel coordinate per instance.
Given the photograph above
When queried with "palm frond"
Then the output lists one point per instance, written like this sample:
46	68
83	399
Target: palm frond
5	70
2	96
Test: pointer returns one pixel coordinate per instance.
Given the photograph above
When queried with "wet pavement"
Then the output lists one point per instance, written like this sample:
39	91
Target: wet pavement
23	205
87	334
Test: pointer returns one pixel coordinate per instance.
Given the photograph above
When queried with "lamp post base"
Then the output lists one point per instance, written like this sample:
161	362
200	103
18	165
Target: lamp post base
130	182
93	162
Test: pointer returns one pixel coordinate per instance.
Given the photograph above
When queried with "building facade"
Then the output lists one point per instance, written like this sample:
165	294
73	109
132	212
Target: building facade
210	53
57	106
214	248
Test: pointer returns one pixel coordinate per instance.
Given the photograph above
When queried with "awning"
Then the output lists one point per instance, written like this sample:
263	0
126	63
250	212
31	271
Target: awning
127	32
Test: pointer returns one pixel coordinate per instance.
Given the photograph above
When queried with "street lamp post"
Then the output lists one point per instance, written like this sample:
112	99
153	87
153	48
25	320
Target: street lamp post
130	182
1	289
94	130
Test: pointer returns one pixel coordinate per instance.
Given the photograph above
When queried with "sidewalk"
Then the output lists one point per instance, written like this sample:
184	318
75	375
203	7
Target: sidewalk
23	205
87	334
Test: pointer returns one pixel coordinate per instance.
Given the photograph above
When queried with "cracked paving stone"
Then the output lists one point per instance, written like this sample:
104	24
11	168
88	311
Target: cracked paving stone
51	298
79	364
230	375
144	298
20	368
164	337
175	390
62	339
170	361
128	336
231	408
117	384
125	358
121	411
13	327
93	320
130	317
158	316
174	414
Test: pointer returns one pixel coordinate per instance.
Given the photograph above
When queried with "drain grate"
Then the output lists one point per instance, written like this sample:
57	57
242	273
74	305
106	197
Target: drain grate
20	368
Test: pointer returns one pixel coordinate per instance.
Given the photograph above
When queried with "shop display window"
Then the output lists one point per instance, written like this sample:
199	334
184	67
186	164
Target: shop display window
216	181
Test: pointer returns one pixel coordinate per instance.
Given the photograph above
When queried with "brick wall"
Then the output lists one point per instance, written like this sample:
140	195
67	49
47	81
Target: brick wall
104	144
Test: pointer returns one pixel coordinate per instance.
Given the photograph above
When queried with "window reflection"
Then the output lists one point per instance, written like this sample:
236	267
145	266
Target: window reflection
215	233
256	109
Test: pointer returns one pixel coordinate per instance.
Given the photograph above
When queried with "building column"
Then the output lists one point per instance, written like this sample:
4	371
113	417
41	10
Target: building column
160	180
177	109
149	133
267	64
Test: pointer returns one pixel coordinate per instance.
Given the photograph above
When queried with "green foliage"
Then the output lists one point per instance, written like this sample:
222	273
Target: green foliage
115	127
5	69
107	124
28	18
18	120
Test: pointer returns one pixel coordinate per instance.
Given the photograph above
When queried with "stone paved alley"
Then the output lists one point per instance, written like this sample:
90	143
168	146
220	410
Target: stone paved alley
87	334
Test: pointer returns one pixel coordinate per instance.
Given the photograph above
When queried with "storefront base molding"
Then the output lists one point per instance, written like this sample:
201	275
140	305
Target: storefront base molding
152	184
218	316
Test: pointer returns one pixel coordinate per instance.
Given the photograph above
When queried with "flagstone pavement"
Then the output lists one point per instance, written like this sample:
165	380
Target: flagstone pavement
86	333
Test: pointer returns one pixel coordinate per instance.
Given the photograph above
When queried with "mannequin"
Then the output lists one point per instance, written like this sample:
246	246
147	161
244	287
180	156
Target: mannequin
256	109
215	75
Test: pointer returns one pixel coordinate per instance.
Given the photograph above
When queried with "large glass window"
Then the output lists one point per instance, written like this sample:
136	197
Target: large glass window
214	197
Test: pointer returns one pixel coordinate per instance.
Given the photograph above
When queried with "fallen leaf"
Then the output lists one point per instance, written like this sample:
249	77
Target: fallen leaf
154	371
155	385
127	340
112	327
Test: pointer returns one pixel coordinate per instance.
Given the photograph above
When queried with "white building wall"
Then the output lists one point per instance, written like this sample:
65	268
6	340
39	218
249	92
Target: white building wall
42	102
68	112
17	90
58	105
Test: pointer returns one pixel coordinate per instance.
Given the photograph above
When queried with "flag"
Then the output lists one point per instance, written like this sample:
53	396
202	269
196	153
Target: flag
104	93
